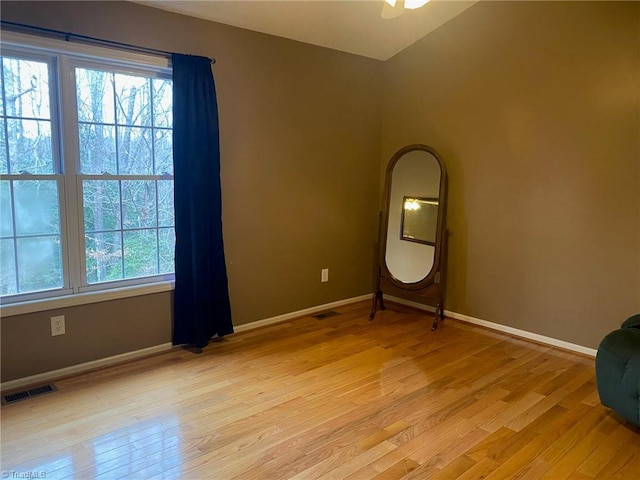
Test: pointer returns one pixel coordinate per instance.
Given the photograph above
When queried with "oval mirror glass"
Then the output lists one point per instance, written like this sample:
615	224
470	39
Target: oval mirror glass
413	208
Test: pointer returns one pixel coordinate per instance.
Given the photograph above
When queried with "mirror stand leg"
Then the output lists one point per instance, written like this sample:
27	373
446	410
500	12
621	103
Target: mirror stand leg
439	316
377	297
374	306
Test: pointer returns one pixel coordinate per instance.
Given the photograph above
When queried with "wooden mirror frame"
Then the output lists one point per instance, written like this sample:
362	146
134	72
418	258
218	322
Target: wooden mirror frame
431	288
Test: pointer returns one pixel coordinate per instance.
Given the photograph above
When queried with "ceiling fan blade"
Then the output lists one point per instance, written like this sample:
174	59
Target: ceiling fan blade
392	8
413	4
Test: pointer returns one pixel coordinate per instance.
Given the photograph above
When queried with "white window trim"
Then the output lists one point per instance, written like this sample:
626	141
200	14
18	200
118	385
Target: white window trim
47	46
74	300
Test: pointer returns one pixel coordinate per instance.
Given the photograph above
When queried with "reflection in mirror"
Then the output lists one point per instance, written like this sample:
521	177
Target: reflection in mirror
416	173
420	220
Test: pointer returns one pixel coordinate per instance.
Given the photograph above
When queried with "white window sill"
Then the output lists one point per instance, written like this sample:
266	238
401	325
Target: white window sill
83	298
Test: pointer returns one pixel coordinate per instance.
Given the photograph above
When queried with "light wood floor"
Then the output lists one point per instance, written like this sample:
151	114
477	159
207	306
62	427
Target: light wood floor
340	398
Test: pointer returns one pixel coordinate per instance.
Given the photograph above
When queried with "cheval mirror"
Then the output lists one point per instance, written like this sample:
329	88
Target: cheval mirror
412	233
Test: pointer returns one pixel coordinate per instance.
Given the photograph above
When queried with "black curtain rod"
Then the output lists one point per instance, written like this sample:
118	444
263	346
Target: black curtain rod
68	36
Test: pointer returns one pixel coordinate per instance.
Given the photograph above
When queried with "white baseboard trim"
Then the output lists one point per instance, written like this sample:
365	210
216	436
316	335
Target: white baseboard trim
409	303
137	354
300	313
554	342
83	367
591	352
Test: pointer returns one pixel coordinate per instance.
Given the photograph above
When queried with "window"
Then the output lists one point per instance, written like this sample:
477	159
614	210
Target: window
86	174
30	226
126	165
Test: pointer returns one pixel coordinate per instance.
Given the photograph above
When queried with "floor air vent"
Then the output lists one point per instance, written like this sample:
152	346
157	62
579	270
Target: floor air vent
323	315
32	392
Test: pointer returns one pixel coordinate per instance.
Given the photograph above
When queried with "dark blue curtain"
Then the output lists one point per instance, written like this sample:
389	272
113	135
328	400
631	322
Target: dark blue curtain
201	299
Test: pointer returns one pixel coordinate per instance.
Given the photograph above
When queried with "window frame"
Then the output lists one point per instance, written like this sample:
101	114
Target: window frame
63	58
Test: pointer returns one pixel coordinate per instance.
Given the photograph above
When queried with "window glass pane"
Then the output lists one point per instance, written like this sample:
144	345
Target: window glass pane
135	155
104	257
140	253
36	207
7	268
39	263
101	205
30	147
162	103
6	218
133	100
139	203
26	85
2	93
165	203
95	96
167	244
163	145
97	148
4	166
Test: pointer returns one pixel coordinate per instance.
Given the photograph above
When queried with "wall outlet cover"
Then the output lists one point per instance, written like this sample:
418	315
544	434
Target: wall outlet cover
57	326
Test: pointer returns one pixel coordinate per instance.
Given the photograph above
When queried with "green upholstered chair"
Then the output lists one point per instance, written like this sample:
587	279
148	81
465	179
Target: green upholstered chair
618	370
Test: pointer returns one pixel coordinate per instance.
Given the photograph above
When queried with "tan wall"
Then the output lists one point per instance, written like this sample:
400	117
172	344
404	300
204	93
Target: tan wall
534	107
94	331
300	142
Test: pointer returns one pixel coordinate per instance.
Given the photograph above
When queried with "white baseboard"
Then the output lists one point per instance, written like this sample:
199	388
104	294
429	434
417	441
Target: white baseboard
145	352
83	367
503	328
104	362
554	342
409	303
300	313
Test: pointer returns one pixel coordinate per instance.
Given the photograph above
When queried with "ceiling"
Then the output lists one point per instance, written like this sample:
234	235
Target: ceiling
350	26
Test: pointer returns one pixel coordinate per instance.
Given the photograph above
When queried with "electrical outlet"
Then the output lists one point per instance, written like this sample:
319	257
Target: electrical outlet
324	276
57	326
